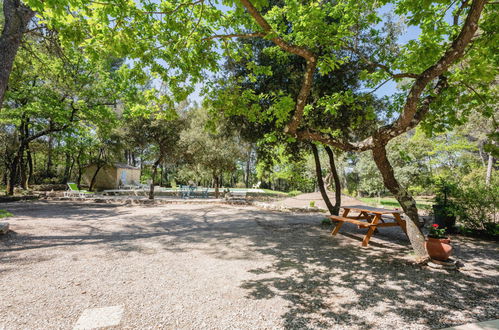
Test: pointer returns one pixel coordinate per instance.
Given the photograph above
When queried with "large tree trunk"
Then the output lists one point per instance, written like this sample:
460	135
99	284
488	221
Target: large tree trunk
17	17
336	179
15	169
320	181
13	175
408	203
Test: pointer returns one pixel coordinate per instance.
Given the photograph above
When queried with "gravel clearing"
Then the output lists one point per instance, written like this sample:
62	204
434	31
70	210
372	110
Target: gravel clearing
215	266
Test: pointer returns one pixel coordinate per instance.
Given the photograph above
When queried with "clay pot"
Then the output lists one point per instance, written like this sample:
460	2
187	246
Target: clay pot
438	248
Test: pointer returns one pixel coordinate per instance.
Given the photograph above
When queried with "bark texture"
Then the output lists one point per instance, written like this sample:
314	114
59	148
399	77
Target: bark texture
490	162
405	199
320	181
17	17
336	179
154	172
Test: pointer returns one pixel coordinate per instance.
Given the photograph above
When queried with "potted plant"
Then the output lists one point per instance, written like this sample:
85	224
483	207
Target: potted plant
438	244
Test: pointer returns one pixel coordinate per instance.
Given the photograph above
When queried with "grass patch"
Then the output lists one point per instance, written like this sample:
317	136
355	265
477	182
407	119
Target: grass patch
5	214
274	192
422	204
294	193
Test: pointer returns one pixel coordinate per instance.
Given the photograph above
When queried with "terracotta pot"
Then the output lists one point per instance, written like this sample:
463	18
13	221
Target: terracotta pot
438	248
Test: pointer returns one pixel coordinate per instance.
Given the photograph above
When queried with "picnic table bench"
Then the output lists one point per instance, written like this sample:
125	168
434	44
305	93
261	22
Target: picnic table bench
368	217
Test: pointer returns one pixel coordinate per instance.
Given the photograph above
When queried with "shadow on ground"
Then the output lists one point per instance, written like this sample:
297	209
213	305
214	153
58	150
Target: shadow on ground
327	281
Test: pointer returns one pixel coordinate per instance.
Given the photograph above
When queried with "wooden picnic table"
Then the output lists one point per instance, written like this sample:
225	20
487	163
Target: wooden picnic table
369	217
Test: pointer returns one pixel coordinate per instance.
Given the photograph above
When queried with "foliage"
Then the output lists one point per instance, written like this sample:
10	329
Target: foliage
479	206
294	193
436	232
5	214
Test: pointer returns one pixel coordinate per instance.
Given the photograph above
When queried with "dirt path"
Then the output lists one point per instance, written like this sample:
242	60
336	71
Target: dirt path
224	267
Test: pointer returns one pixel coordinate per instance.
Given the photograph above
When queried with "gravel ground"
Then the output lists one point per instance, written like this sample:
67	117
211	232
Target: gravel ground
303	200
202	266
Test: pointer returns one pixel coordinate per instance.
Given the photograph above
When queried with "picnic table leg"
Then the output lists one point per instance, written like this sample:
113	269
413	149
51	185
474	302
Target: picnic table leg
371	230
339	223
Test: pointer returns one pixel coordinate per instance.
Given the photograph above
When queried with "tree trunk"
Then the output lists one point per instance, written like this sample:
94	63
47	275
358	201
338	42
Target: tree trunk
490	162
23	171
13	173
161	174
216	180
29	161
408	203
320	181
67	168
100	164
336	179
16	19
248	164
48	170
154	172
94	177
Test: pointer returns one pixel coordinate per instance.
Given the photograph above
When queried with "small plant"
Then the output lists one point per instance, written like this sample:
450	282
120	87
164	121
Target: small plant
312	203
436	232
294	193
5	214
326	222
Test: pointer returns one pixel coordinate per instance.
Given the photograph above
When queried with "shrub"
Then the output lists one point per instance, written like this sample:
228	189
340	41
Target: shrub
294	193
326	222
240	185
479	205
5	214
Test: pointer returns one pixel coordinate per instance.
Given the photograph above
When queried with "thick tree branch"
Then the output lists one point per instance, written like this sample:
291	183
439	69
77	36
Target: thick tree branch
413	112
262	22
301	100
455	51
310	57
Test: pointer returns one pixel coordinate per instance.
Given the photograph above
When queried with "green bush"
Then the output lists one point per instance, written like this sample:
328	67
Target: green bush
5	214
240	185
479	205
326	222
294	193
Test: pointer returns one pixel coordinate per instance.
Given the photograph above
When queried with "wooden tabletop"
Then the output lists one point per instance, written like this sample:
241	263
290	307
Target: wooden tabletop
363	208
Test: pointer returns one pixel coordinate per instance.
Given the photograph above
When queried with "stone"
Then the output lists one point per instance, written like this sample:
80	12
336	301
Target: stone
4	228
99	317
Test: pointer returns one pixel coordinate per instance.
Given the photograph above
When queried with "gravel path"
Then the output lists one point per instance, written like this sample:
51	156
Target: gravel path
303	200
225	267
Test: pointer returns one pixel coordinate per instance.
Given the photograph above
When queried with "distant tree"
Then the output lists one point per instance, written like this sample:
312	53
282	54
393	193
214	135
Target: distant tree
217	152
160	135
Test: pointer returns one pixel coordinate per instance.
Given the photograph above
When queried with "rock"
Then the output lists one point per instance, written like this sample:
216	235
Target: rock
4	228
